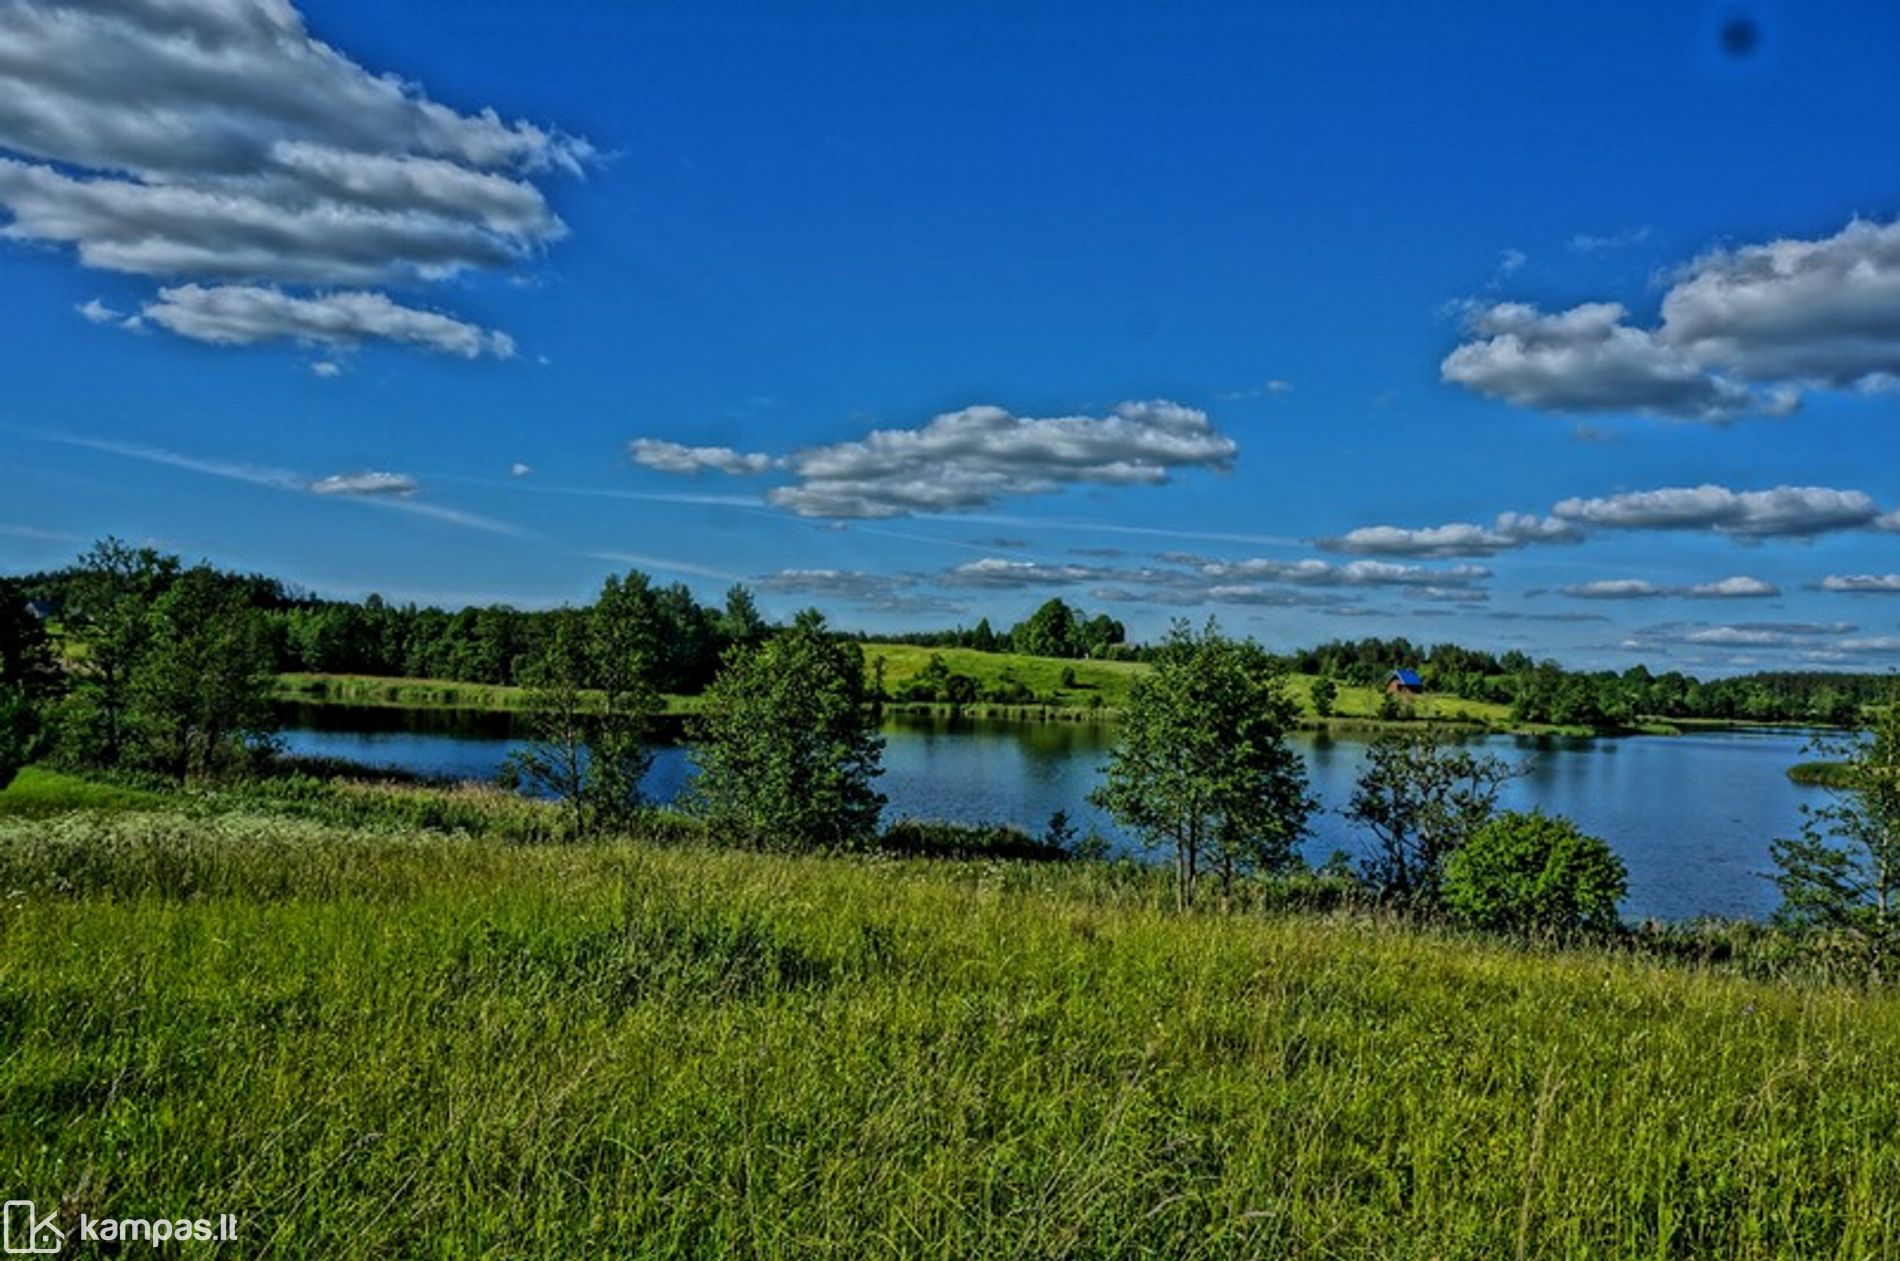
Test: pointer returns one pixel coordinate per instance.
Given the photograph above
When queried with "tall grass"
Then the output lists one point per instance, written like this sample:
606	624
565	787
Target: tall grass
376	1043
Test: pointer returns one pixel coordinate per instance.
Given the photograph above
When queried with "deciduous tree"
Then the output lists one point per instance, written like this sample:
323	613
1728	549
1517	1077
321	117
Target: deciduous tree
787	744
1201	765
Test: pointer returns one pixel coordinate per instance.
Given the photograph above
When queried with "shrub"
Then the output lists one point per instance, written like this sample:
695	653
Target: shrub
1532	872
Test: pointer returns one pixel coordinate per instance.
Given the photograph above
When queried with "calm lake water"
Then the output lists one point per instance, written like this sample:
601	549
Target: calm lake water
1692	815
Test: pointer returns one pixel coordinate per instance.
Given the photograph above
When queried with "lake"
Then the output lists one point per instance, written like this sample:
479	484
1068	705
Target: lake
1691	815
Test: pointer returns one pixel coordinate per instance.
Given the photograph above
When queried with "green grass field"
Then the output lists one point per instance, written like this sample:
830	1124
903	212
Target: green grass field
393	1044
1102	685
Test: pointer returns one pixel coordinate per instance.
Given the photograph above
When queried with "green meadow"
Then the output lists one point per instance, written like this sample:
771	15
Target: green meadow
1099	686
392	1040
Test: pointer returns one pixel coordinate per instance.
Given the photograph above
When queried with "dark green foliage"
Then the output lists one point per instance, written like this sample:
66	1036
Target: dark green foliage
1325	693
787	744
917	838
198	695
108	604
592	703
1531	872
1056	630
935	682
1420	800
1201	764
1841	876
28	682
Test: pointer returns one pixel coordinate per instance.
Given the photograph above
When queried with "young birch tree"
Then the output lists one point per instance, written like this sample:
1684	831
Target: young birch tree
1201	765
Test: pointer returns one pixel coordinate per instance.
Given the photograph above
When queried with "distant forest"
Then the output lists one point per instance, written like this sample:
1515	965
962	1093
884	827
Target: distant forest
496	644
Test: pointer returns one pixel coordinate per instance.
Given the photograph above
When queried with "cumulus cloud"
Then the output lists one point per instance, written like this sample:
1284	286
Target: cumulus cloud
518	469
968	459
326	368
1587	359
243	315
219	140
366	483
1510	530
1862	584
1824	311
1741	330
1781	512
1736	588
673	457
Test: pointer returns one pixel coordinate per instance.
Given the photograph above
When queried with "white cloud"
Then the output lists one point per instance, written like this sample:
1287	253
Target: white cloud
1510	530
1736	588
240	315
674	457
326	368
377	489
98	312
1741	330
1584	243
1782	512
1587	359
366	483
1358	573
518	469
1740	587
220	140
1511	260
1862	584
1825	311
967	459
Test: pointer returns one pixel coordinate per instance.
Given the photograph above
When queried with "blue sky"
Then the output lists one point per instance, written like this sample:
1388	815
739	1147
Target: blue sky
922	314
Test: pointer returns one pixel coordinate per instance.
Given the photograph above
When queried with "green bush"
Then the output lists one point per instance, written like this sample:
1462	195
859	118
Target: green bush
1532	872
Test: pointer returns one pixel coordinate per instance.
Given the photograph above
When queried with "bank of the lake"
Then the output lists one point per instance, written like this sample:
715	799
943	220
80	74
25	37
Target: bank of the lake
1692	815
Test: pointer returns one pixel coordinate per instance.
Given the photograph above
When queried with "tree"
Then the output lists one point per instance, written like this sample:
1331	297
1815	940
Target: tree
1420	800
1534	873
1049	632
199	693
1842	874
591	706
29	679
1201	764
740	622
621	649
1325	693
554	759
111	595
787	744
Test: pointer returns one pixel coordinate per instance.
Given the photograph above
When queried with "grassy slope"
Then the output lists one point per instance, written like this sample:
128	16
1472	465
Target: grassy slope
393	1045
1109	680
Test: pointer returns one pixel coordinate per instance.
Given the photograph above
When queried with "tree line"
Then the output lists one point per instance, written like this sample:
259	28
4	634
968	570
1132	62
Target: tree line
1055	629
1545	692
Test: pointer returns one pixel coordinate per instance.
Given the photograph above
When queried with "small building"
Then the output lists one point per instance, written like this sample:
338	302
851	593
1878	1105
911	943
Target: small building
1404	683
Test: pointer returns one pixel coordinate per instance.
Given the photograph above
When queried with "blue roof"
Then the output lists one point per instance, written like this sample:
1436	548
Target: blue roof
1408	678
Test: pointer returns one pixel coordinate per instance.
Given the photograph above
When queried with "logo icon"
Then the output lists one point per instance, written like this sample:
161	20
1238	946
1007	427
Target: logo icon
27	1233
